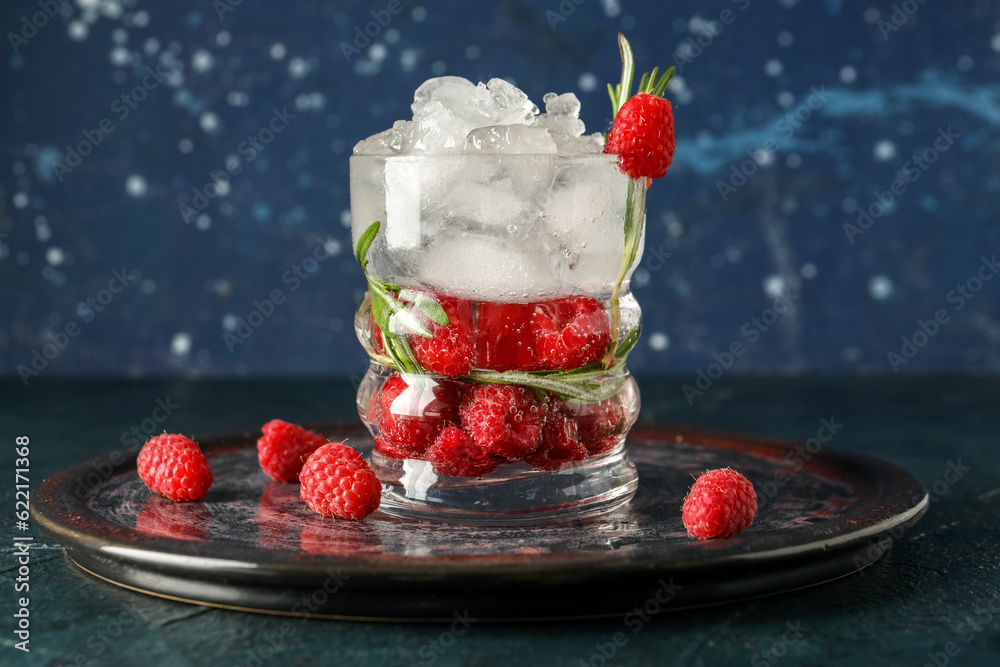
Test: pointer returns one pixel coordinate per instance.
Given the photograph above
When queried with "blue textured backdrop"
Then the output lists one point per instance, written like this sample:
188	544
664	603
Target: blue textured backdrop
790	116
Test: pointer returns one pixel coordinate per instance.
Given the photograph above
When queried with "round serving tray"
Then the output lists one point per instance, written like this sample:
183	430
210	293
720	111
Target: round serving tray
252	544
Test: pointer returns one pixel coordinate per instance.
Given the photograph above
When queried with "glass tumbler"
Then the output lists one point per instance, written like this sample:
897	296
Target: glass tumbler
498	318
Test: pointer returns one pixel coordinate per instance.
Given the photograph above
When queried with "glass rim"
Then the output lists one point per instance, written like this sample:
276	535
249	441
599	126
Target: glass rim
599	158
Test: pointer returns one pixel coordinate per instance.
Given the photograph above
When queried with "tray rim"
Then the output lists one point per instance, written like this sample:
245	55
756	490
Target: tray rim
53	495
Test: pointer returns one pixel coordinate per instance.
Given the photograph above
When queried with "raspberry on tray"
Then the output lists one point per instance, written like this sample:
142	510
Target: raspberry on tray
283	448
173	466
337	482
721	503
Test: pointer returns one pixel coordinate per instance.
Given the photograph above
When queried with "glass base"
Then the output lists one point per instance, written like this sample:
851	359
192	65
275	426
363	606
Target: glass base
514	494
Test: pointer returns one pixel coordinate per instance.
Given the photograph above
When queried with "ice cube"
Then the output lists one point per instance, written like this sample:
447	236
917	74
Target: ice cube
560	128
388	142
588	143
425	93
582	226
485	268
510	139
566	104
487	207
437	132
465	104
510	104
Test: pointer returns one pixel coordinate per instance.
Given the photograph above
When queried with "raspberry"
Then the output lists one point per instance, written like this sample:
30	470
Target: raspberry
596	422
386	448
410	411
643	136
283	449
378	345
503	419
455	453
173	466
449	352
721	503
337	482
559	447
505	338
571	332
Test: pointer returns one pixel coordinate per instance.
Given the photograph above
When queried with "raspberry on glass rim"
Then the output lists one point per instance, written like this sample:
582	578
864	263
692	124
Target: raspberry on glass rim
642	134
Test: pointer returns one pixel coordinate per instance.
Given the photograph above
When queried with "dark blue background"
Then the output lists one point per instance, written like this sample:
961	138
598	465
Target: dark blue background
888	93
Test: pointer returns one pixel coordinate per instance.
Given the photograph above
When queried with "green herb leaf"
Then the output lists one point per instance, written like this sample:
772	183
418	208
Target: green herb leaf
427	306
628	71
628	343
576	391
365	242
393	311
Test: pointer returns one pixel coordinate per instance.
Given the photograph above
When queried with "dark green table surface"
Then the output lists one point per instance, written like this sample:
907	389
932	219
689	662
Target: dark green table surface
932	594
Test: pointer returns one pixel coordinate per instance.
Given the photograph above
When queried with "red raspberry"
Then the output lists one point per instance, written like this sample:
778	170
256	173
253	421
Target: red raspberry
386	448
503	419
283	449
721	503
560	446
596	422
455	453
571	332
449	352
411	410
336	481
378	345
643	136
505	338
173	466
